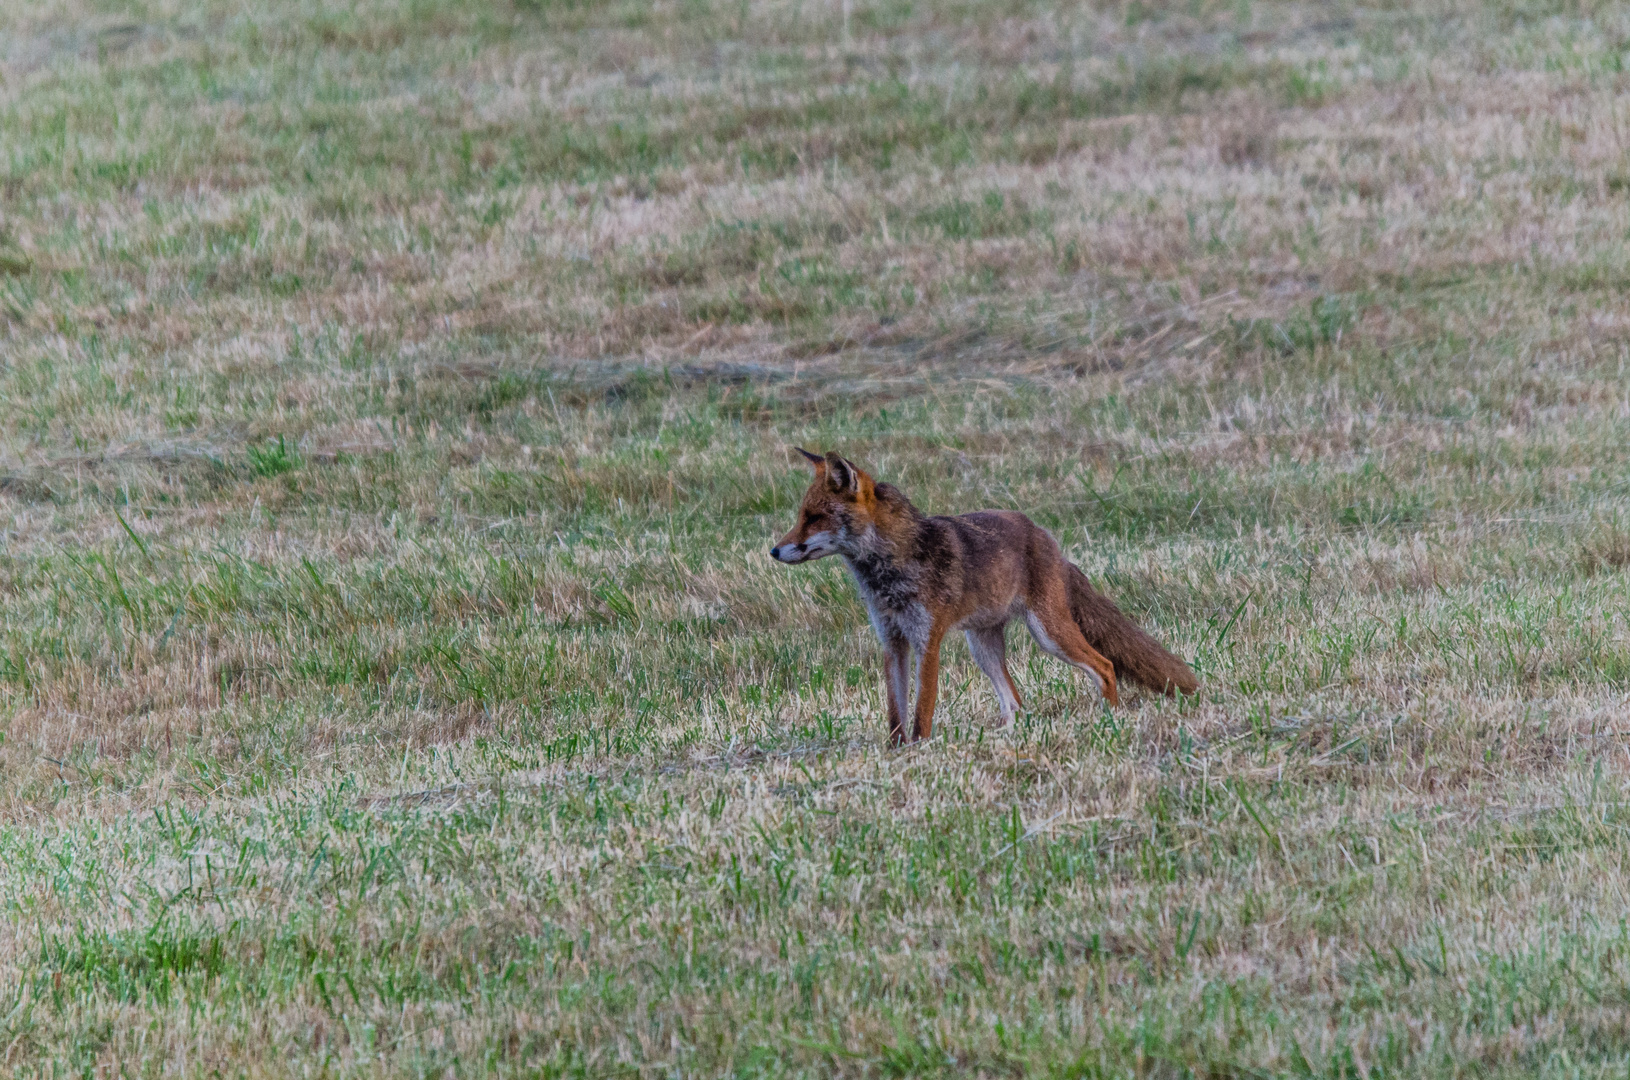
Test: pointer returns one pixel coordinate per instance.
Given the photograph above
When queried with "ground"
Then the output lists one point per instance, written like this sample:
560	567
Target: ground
396	402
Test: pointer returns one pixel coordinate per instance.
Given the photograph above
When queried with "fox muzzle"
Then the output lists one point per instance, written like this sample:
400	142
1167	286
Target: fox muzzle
814	547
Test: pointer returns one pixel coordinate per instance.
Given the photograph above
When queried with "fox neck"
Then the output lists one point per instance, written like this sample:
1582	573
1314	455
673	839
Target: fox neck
882	558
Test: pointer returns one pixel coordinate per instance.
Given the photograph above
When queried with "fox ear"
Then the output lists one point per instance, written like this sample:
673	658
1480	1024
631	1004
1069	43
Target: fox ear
813	459
839	476
844	476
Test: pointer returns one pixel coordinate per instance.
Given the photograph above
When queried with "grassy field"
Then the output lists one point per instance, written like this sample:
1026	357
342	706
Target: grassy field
395	403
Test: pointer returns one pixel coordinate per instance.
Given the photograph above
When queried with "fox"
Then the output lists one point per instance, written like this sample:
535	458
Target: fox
923	577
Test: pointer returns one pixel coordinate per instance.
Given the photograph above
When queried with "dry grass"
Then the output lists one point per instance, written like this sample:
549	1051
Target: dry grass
394	403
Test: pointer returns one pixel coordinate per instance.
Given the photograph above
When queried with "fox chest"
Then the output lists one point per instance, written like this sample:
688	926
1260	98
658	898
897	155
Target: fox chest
893	603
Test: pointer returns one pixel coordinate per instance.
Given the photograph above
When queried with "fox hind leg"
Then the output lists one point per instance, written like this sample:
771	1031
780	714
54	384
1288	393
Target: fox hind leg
1058	635
989	649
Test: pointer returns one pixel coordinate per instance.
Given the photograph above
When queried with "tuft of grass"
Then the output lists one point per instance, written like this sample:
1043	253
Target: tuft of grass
273	459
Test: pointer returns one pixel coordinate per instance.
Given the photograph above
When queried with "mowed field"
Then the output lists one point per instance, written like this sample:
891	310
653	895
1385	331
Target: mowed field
395	411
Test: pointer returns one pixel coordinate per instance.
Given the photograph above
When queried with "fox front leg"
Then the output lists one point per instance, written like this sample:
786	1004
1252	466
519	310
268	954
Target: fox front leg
897	675
928	684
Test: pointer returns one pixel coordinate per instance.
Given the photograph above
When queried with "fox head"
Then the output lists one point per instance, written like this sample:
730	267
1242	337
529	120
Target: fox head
838	510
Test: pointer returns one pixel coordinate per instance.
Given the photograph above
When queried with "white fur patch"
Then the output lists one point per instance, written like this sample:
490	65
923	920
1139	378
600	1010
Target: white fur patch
913	624
821	543
867	597
818	546
1050	646
1033	624
990	662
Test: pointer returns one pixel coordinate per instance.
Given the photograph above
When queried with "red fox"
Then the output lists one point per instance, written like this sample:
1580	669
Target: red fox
922	577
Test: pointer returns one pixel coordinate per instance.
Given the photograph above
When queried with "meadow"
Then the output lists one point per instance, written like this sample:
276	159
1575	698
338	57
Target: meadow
396	403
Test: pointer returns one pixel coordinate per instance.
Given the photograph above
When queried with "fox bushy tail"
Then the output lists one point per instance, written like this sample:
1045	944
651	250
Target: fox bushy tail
1135	654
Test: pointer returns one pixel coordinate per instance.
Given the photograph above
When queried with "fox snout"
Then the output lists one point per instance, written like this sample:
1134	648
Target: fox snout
813	547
